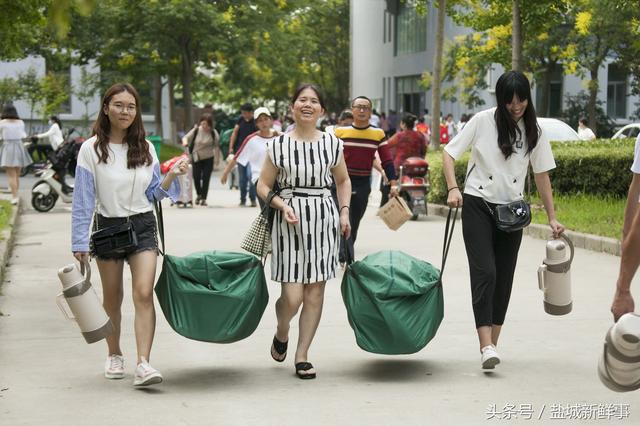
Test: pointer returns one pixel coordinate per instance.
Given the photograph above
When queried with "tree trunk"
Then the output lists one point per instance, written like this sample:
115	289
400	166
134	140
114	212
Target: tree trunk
157	88
186	77
437	77
516	38
593	96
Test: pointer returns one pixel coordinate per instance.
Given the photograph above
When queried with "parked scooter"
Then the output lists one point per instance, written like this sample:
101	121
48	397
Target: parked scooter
48	189
413	183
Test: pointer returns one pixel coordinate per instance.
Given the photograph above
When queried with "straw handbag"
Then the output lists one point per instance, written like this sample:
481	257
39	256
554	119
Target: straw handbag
395	212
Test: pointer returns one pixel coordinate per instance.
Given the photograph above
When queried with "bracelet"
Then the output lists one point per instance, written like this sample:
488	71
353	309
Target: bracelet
452	188
343	207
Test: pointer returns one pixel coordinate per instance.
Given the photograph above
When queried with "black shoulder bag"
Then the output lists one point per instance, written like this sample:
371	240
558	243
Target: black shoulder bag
115	239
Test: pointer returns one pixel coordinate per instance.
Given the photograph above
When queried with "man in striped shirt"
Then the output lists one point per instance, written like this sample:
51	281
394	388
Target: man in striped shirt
361	142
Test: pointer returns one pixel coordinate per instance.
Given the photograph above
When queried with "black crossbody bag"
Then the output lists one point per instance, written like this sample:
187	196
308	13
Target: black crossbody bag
510	217
115	239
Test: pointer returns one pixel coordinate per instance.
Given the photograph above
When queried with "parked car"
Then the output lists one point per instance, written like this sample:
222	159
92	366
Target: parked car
557	130
629	131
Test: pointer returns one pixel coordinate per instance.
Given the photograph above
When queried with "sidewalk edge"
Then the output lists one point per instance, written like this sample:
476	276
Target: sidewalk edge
6	244
580	239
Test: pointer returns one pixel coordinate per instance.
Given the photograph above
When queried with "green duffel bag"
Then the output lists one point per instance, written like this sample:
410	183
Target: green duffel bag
394	301
212	296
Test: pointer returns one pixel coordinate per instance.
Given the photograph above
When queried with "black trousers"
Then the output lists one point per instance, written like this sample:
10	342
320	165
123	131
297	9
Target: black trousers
360	190
201	176
492	256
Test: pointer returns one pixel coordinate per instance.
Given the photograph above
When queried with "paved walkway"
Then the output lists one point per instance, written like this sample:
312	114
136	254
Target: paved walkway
49	375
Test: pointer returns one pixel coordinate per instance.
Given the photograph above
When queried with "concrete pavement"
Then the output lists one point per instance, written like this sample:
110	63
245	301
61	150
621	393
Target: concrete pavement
48	374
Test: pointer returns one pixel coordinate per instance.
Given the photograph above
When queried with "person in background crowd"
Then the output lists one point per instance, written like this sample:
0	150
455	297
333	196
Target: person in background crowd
584	132
54	133
244	127
463	121
253	151
375	118
361	142
204	143
117	181
13	154
630	259
393	122
344	119
384	123
451	126
504	141
404	144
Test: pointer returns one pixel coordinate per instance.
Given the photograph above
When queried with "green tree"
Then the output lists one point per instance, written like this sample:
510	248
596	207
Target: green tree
55	90
9	90
31	89
86	90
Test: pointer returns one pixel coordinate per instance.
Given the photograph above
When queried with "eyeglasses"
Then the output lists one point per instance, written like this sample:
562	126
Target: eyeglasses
361	107
131	109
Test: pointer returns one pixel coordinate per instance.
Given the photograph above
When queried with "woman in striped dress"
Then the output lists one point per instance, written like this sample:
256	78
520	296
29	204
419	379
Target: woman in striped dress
307	223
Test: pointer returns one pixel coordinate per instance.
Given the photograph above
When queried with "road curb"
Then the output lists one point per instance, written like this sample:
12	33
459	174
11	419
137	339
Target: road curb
6	244
580	239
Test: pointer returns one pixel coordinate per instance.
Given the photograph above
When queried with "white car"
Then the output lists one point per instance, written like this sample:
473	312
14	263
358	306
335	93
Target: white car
629	131
557	130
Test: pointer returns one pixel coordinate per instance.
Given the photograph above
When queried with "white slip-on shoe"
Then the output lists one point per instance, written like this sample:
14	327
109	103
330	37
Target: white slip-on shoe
114	367
490	357
146	375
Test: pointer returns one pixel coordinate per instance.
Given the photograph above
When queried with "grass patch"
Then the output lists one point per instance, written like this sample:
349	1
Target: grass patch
169	151
5	214
590	214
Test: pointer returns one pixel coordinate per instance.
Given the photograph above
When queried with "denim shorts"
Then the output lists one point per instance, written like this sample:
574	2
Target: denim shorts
144	225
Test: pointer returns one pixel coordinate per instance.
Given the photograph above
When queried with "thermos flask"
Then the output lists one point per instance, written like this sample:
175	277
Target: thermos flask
554	276
85	305
619	364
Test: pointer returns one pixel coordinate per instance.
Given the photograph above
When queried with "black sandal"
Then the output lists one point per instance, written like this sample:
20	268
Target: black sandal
281	349
304	366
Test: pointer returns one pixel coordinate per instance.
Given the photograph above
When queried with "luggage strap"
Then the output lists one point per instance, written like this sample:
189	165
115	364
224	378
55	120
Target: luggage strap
158	208
448	236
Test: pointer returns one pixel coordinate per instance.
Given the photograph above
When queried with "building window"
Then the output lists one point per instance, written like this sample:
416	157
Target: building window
410	29
556	79
409	97
616	92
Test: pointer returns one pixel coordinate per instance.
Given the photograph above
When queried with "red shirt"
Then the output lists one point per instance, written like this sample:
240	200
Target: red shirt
408	143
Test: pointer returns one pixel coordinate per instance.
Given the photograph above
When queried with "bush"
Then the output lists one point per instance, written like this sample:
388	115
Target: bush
599	167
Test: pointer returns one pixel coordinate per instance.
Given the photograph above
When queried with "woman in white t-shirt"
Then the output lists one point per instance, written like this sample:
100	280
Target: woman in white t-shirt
117	180
584	132
503	141
13	154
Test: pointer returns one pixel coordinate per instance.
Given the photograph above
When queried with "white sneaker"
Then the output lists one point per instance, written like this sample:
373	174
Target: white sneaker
146	375
490	357
114	367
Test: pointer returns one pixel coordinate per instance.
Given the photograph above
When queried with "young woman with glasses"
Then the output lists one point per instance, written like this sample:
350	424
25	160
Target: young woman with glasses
117	180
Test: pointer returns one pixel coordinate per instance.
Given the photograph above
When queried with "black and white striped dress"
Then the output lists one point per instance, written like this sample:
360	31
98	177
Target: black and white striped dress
306	252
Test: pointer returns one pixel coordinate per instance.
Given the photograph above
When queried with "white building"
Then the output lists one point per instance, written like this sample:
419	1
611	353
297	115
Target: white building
391	46
72	113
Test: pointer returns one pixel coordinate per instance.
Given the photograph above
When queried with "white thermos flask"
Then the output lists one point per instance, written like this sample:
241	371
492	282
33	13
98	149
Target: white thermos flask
554	276
619	364
85	305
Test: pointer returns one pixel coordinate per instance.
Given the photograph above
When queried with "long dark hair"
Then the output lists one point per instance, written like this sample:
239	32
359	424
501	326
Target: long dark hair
56	120
510	83
9	111
138	153
313	87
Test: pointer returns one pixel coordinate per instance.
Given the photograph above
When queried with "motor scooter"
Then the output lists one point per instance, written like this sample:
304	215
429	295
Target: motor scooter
414	185
48	189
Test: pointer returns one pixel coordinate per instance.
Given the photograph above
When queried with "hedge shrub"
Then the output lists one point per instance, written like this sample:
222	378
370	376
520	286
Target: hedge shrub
599	167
